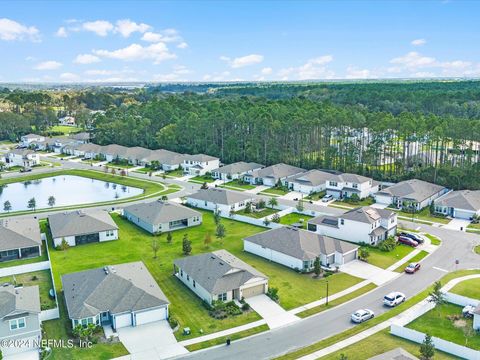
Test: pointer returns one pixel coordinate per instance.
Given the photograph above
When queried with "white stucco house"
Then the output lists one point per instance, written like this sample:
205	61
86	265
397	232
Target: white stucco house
82	227
27	140
221	200
345	185
22	157
220	276
298	249
200	164
271	175
67	121
235	171
412	193
462	204
361	225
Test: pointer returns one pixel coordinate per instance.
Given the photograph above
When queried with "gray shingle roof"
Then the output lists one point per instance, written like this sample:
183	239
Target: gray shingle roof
31	136
158	212
463	199
414	189
137	153
90	148
164	157
353	178
122	288
277	171
366	214
18	233
219	196
80	136
395	354
21	152
115	150
300	244
200	157
312	178
80	222
238	167
19	300
218	271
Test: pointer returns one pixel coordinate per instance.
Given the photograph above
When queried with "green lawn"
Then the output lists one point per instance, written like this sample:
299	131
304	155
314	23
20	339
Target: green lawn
364	202
258	214
477	249
144	170
41	278
416	258
469	288
473	226
293	218
425	215
64	129
112	165
384	259
433	239
316	196
274	191
202	179
174	173
437	323
238	185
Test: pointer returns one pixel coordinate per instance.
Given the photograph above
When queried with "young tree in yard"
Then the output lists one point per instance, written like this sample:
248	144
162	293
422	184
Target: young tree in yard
155	247
51	201
32	204
7	206
216	217
186	245
427	348
123	172
272	202
276	218
204	186
113	171
64	245
266	222
436	296
220	231
342	357
169	237
300	206
208	240
317	268
363	254
248	208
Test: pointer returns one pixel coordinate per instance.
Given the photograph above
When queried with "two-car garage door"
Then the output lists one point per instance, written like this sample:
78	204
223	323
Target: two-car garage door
140	318
253	291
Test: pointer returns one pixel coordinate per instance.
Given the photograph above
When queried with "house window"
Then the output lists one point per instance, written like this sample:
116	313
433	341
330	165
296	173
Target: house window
306	264
194	283
222	297
333	183
181	272
16	324
205	203
342	222
355	186
188	277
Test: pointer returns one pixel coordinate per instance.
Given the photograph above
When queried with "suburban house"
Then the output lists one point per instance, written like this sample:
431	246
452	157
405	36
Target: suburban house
235	171
220	276
67	121
22	157
60	143
410	193
45	145
81	137
82	227
162	216
27	140
463	204
361	225
271	175
312	181
200	164
221	200
136	154
345	185
88	151
19	314
298	249
168	160
19	238
120	296
114	152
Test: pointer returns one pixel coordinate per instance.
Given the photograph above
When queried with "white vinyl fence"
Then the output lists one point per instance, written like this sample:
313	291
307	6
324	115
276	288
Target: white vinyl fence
20	269
460	300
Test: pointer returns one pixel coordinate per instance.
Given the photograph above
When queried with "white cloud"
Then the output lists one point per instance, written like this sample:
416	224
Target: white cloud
182	45
243	61
11	30
312	69
166	36
175	75
414	60
152	37
99	27
86	59
223	76
157	52
61	32
99	72
356	73
267	71
126	27
69	77
418	42
48	65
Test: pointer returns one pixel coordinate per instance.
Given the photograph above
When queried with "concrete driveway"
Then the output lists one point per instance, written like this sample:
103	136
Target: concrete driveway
150	341
292	195
379	206
270	311
457	224
369	272
27	355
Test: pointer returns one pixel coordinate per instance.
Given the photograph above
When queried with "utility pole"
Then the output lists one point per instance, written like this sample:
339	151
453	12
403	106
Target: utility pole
326	301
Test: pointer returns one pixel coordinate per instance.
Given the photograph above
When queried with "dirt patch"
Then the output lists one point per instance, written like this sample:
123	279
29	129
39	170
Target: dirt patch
460	323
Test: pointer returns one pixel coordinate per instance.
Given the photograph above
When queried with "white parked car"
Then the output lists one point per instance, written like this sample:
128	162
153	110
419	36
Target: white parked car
327	198
362	315
394	298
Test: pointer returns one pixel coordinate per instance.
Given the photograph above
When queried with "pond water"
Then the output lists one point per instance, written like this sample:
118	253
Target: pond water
67	190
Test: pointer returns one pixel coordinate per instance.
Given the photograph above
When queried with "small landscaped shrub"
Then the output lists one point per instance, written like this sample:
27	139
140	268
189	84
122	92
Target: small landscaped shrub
34	278
276	218
245	307
232	309
173	322
272	293
363	254
261	204
389	244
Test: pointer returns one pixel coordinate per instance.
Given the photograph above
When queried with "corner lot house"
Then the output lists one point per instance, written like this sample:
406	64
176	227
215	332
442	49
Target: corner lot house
298	249
19	238
235	171
120	296
27	140
271	175
82	227
312	181
361	225
22	157
220	276
417	193
162	216
200	164
216	199
19	314
345	185
463	204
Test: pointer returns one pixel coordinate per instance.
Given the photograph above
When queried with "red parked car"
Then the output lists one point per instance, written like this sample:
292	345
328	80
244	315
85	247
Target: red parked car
407	241
412	268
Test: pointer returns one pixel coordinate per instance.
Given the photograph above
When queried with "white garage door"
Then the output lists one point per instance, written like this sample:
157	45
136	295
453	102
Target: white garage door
383	199
253	291
146	317
349	257
123	320
28	344
459	214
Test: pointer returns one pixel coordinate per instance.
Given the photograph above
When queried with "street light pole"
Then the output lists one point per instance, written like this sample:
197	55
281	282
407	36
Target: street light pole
326	301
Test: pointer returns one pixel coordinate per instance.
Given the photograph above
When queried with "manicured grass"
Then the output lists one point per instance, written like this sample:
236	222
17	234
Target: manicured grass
119	166
416	258
238	184
258	214
316	196
364	202
174	173
437	323
41	278
384	259
336	302
293	218
64	129
425	215
223	339
477	249
469	288
144	170
43	257
380	343
377	320
473	226
201	179
433	239
275	191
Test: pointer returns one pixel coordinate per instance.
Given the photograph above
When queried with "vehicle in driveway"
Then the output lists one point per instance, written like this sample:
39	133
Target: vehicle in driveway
327	198
407	241
468	311
412	268
394	298
414	237
362	315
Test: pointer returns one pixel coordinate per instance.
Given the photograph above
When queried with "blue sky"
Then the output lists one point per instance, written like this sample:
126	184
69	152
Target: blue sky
97	41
